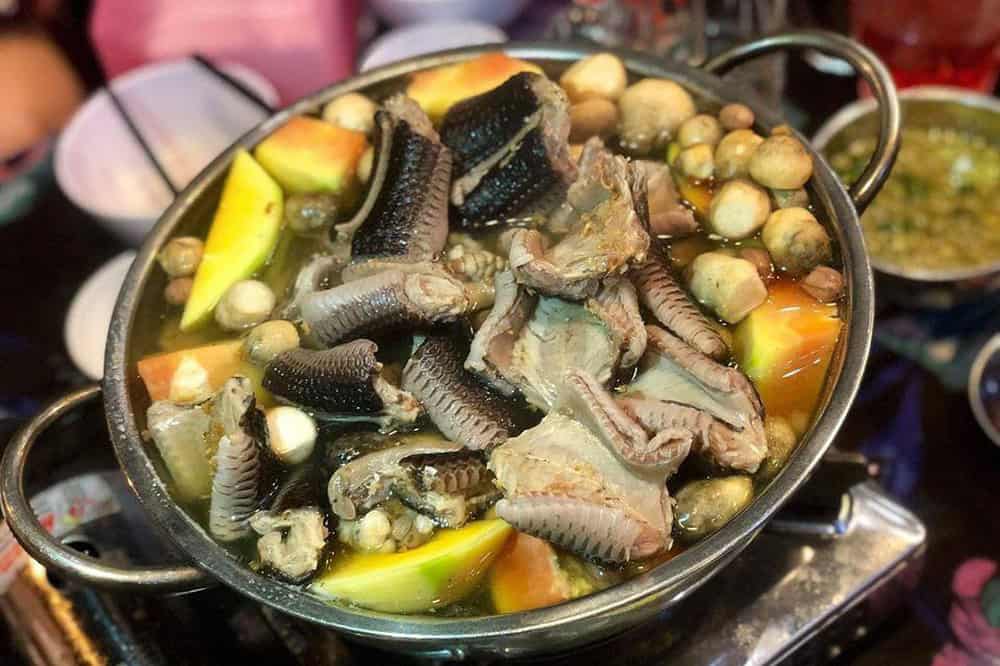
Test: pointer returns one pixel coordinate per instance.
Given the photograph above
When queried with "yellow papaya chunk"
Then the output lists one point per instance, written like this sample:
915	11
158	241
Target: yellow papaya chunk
241	239
785	346
435	90
527	575
311	155
218	362
440	572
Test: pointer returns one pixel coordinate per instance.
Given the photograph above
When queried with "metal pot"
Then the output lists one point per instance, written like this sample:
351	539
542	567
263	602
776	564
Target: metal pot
581	621
923	106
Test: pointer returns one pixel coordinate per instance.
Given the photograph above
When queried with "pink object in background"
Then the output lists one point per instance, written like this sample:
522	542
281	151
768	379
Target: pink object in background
299	45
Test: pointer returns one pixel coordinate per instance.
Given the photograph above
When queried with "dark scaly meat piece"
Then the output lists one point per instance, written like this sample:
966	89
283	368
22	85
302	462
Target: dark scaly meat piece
481	130
526	185
511	150
591	530
236	483
672	307
342	383
367	481
405	214
384	301
461	406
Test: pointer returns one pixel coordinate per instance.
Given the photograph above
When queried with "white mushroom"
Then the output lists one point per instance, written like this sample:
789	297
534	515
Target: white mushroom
180	256
738	209
696	161
736	116
781	162
592	117
178	290
371	534
269	339
651	111
732	155
352	111
245	304
796	242
728	286
291	434
190	382
701	128
824	284
600	75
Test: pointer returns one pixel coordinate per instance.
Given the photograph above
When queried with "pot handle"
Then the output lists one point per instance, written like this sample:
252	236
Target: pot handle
866	64
58	557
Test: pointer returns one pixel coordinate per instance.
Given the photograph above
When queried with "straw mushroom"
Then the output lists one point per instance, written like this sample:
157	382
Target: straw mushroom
781	441
732	155
308	213
180	256
706	505
601	75
781	162
291	434
738	209
824	284
352	111
796	241
592	117
736	116
269	339
696	161
651	111
245	304
701	128
178	290
729	286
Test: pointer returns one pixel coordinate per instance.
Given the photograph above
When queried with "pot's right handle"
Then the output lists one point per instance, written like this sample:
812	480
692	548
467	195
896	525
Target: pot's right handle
59	557
866	64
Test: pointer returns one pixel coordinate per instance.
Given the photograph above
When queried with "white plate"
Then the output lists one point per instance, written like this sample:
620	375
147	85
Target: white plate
89	316
422	38
186	114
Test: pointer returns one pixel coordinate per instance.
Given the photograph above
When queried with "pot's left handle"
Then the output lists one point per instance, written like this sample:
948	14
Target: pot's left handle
58	557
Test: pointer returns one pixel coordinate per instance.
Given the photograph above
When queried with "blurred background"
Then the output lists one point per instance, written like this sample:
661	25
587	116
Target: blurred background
78	192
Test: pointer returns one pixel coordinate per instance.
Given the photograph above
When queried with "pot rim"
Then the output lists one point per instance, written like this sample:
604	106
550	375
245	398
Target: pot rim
677	577
863	107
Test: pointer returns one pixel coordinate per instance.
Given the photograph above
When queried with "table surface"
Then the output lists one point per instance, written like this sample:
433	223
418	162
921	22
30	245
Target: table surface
945	468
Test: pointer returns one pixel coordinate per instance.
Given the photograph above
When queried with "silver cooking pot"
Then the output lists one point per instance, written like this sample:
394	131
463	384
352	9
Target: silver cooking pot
137	316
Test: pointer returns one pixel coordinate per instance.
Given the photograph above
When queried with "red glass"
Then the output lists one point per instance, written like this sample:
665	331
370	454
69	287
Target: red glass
943	42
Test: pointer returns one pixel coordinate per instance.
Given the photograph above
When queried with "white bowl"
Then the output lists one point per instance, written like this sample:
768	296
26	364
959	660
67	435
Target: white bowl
85	329
414	40
186	115
400	12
